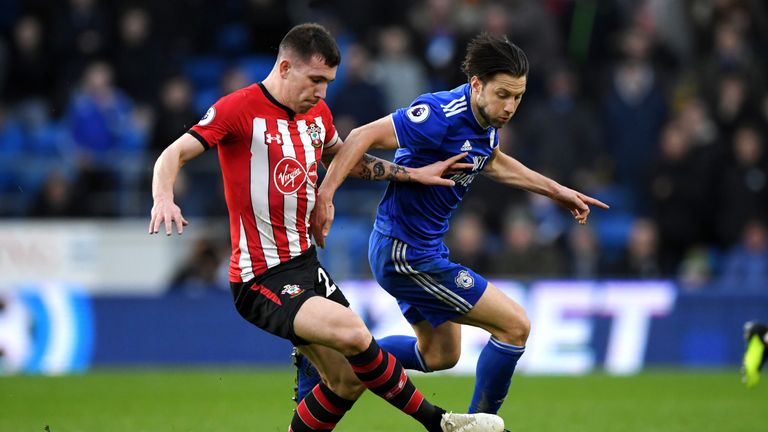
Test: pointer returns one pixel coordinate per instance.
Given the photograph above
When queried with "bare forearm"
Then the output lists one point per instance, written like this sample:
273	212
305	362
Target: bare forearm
511	172
373	168
165	172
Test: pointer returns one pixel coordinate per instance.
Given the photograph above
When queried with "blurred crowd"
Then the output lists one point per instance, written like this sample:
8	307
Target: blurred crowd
657	107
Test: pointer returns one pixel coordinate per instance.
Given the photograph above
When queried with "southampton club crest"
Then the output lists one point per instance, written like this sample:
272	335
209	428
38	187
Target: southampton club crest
292	290
313	130
464	280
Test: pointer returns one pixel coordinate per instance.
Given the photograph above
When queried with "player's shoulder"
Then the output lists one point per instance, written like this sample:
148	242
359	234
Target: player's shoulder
441	105
455	100
249	94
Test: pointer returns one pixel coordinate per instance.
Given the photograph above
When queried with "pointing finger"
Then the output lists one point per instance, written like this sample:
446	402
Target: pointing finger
595	202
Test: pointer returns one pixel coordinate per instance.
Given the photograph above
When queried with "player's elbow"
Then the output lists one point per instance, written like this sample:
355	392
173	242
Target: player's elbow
379	135
358	137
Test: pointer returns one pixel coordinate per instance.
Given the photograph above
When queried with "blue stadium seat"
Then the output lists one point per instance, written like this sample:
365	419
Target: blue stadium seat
346	252
204	71
618	197
233	39
256	67
206	97
612	230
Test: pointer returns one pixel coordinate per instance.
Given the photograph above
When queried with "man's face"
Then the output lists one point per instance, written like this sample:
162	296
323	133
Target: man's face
307	82
497	99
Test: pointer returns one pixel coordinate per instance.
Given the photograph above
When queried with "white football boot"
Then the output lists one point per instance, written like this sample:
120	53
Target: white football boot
480	422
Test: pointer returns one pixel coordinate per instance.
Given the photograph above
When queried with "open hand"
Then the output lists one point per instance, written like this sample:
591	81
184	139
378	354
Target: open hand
166	212
432	174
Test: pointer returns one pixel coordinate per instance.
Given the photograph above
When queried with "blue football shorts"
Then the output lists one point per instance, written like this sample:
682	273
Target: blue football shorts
426	284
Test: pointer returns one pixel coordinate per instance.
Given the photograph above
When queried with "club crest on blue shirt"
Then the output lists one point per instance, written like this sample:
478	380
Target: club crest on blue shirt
418	113
292	290
464	280
313	130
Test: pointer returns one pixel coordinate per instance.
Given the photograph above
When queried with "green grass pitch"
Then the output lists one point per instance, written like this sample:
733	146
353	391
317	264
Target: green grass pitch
258	400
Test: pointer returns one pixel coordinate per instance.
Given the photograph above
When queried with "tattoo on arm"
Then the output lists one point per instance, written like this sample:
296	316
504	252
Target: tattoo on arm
378	169
395	170
373	168
365	173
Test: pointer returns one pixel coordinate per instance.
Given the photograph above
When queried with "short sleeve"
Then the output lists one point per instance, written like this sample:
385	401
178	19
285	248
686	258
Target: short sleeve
218	123
420	126
331	134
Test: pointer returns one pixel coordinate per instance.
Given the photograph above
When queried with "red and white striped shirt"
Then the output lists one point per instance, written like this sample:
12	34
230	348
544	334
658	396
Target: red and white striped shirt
268	156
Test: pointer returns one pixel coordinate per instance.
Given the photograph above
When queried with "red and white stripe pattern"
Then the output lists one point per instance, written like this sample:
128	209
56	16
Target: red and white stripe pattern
281	219
269	157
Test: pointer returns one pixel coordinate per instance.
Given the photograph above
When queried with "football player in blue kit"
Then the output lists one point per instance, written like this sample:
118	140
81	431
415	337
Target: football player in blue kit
406	250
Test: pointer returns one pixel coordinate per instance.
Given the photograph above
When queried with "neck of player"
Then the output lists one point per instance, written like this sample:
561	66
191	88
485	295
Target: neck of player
475	110
275	88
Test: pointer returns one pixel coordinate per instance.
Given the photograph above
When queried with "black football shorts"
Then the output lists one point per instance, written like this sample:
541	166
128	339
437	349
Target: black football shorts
271	300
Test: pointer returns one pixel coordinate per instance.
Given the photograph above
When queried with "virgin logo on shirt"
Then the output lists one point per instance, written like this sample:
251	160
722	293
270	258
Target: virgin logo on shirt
290	175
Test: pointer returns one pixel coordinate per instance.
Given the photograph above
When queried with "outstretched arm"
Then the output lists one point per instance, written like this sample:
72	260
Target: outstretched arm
509	171
164	210
373	168
350	159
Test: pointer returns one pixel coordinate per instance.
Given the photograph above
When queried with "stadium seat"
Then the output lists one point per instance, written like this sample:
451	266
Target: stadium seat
612	230
347	248
233	39
204	71
256	67
206	97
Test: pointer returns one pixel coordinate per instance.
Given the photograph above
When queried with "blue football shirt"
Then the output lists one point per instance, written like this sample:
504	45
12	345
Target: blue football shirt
434	127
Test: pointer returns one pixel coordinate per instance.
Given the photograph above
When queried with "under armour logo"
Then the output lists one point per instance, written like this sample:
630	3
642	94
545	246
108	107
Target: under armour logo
272	138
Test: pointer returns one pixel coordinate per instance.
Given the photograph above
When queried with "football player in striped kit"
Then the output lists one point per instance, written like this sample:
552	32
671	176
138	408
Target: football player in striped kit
270	137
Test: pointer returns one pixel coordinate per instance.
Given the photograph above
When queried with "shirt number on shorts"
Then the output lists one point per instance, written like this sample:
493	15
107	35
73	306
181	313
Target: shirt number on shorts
322	276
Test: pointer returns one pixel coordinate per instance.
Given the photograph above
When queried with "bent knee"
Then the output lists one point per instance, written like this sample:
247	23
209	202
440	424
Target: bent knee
516	330
441	359
354	340
442	362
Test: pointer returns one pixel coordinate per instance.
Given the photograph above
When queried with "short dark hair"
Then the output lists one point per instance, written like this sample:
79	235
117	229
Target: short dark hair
309	40
488	55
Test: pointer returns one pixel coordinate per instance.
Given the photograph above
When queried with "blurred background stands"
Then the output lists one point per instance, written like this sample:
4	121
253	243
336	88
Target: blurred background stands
658	108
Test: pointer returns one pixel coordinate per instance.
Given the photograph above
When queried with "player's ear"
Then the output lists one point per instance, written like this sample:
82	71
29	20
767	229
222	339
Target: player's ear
476	84
283	67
